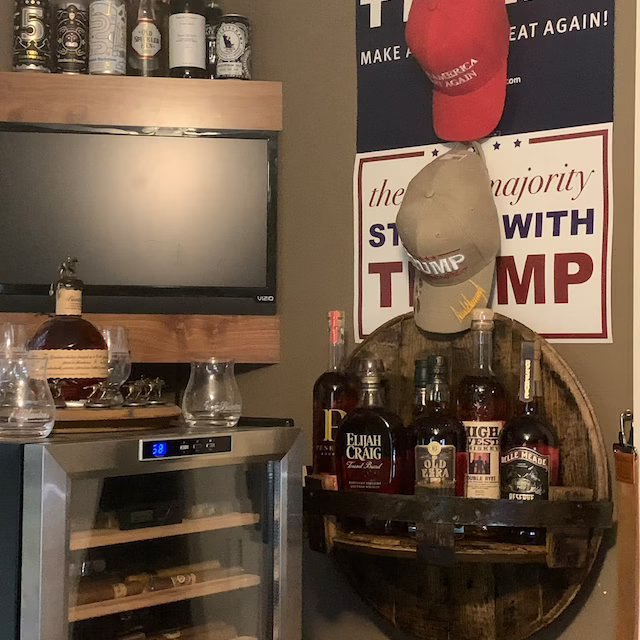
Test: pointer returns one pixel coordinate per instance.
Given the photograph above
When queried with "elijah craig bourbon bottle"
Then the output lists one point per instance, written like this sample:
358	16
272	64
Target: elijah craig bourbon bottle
334	394
369	443
440	439
76	351
529	454
482	407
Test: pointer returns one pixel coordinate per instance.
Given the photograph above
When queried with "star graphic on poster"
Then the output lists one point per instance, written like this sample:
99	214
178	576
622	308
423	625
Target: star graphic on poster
435	153
496	145
517	143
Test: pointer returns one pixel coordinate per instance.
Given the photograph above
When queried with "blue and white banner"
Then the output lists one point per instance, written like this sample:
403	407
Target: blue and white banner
549	161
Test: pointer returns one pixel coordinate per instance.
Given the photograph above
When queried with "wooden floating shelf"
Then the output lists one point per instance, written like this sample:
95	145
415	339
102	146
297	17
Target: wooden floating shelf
140	102
183	338
465	550
110	537
232	582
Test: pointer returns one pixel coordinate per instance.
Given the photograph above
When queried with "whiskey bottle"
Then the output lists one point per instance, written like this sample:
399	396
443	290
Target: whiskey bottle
213	15
147	53
441	441
334	394
367	443
76	351
529	454
482	407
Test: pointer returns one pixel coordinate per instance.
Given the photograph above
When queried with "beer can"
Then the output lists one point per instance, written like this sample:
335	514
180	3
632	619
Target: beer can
233	48
72	25
107	37
32	36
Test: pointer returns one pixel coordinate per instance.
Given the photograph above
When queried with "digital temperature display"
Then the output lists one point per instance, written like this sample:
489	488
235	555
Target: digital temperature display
159	449
181	447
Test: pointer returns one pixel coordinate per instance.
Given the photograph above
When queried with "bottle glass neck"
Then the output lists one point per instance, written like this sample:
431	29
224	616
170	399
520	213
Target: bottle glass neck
434	397
483	351
371	396
336	354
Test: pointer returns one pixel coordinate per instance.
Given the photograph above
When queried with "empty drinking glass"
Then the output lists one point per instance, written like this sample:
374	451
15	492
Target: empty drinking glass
118	366
212	397
14	338
26	404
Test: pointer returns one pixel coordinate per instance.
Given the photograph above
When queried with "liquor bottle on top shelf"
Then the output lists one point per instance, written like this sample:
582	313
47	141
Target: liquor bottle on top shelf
76	352
334	394
72	37
529	454
147	53
187	48
213	15
441	441
482	407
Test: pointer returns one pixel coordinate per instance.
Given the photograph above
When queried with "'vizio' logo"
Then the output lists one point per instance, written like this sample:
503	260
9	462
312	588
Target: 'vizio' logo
266	298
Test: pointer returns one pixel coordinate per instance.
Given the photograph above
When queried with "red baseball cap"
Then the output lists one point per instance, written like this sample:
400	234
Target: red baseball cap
462	46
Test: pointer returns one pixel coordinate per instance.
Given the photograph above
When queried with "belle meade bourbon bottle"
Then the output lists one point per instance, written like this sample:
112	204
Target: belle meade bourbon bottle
76	351
482	407
334	394
529	455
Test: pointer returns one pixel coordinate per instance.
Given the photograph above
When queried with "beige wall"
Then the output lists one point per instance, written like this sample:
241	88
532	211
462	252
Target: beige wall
311	47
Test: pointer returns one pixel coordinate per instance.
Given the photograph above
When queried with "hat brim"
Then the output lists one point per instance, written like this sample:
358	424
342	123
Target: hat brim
447	309
470	116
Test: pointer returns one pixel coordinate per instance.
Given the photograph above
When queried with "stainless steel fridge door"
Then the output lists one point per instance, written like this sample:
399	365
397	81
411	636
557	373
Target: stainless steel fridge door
171	535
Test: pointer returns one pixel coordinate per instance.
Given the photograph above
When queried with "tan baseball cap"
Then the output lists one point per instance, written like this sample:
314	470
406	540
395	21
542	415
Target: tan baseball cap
448	224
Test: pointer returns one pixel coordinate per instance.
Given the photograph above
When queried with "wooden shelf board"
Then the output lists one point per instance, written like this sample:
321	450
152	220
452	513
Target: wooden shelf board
140	102
465	551
155	598
184	338
110	537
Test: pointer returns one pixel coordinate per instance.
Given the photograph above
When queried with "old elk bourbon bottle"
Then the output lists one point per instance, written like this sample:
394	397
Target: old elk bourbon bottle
334	394
482	407
529	454
76	351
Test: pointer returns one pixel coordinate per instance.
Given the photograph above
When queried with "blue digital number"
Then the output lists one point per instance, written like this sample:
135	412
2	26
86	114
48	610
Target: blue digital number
159	449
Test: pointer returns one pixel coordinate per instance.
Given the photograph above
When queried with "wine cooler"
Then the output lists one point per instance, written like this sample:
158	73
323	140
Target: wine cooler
173	534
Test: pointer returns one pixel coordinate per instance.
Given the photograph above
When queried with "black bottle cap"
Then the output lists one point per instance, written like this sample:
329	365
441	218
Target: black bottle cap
422	373
431	369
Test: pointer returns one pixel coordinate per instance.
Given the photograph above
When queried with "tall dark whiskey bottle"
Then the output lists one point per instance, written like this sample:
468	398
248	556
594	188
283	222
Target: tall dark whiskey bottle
529	454
368	443
440	439
482	407
334	394
76	351
147	46
187	47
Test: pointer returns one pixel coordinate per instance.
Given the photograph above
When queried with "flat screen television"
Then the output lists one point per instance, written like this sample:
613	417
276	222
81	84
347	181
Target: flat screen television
161	220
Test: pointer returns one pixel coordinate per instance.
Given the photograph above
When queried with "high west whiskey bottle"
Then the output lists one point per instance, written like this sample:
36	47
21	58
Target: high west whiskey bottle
482	407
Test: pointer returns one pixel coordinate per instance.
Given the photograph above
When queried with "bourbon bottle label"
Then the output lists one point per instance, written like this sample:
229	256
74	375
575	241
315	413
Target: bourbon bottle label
75	363
68	302
367	464
483	441
524	474
436	467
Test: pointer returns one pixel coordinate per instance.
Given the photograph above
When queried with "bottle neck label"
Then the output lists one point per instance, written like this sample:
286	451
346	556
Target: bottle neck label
483	442
524	474
68	302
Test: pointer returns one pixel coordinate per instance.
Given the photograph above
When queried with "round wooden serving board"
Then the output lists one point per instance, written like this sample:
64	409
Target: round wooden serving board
498	600
85	420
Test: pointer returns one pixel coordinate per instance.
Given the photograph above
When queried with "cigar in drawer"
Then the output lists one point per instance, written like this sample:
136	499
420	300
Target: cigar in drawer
157	583
90	591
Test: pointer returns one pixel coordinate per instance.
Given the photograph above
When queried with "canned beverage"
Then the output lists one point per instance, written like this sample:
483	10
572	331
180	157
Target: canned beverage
32	36
72	23
107	37
233	48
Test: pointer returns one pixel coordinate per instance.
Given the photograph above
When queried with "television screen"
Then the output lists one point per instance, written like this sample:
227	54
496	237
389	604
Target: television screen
182	215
